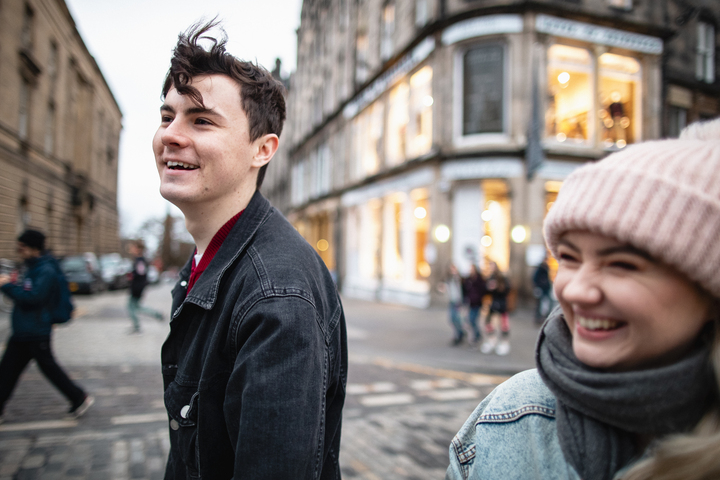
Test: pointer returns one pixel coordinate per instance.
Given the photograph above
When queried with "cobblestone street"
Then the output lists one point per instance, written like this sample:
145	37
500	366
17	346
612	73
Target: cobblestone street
399	418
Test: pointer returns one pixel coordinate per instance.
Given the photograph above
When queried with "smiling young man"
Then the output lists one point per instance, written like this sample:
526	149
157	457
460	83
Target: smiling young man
255	364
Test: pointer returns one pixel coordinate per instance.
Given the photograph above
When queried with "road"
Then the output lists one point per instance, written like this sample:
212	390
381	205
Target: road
409	392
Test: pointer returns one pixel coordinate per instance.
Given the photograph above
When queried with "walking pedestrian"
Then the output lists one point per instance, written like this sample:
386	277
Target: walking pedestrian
34	298
498	285
475	290
542	287
454	290
255	363
137	286
626	385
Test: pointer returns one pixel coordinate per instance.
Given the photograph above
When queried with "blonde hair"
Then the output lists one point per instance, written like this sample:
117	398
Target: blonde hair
692	456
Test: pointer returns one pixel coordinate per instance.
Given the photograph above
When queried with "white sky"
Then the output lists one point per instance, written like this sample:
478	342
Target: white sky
132	42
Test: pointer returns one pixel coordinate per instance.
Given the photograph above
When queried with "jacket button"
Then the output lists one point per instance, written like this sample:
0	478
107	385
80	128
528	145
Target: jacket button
183	283
184	411
174	424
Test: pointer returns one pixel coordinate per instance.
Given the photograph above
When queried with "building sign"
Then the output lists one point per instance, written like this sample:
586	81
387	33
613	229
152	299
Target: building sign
403	183
399	70
482	168
480	26
483	85
598	35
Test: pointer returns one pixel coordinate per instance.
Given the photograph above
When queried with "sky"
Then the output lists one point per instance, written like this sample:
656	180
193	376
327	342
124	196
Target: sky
132	42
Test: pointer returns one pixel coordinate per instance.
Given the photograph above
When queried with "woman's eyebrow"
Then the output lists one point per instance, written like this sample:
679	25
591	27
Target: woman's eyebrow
568	244
626	249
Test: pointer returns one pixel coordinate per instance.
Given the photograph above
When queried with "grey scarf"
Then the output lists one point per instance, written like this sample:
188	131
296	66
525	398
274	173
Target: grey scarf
599	412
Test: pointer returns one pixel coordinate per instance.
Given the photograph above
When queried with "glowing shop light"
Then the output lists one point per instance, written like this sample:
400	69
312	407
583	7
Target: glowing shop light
442	233
420	213
518	234
486	241
564	77
486	216
428	101
322	245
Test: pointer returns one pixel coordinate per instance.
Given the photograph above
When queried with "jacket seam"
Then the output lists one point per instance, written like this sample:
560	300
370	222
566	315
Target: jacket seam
514	415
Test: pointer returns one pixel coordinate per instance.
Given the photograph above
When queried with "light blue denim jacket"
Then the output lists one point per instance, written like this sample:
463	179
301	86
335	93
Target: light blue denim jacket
511	435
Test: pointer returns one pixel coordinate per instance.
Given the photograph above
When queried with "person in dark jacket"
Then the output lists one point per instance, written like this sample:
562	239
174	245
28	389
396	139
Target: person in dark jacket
34	297
542	287
474	289
498	286
255	365
137	286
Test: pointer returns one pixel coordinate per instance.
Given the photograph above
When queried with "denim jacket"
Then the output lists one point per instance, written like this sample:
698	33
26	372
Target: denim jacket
255	364
511	435
31	316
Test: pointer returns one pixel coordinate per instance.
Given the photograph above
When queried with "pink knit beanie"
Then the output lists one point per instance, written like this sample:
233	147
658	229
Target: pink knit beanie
662	197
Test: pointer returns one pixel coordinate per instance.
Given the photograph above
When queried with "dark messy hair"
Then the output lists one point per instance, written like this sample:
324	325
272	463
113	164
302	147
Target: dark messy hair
261	95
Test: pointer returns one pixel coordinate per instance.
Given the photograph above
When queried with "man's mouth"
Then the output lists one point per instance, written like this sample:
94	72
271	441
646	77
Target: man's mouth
181	166
598	324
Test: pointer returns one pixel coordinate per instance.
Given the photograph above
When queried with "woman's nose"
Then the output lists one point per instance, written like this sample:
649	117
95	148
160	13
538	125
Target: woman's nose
582	287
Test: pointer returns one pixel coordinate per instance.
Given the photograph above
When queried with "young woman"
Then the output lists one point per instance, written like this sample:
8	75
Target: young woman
626	385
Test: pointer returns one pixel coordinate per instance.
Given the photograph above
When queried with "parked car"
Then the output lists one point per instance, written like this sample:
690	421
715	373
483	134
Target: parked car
83	273
114	271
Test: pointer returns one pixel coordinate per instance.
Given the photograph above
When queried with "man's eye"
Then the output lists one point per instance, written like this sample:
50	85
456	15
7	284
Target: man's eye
202	121
165	119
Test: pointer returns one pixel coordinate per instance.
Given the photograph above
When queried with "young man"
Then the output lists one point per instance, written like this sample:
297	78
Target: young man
32	324
137	286
255	364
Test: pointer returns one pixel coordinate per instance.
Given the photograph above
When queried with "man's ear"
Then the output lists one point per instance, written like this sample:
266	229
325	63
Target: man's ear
266	146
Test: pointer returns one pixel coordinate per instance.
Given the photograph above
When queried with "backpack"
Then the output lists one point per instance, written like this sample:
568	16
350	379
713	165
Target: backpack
61	311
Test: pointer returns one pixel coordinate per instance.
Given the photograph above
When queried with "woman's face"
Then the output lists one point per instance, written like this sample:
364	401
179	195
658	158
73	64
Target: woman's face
624	309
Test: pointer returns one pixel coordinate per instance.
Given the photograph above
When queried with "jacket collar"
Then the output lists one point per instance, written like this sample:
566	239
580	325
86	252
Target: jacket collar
204	292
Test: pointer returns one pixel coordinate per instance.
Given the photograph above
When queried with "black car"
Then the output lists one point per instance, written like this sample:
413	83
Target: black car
83	275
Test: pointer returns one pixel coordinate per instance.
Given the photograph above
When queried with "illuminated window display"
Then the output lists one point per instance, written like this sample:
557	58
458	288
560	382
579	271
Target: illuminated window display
421	215
496	218
393	267
419	129
397	122
368	132
570	98
619	83
573	97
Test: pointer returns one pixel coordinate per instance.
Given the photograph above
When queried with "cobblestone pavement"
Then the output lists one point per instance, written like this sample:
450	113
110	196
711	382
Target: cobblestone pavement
399	419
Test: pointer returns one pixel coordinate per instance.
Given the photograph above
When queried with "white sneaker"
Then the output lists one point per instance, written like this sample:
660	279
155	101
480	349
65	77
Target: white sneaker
503	348
488	345
80	410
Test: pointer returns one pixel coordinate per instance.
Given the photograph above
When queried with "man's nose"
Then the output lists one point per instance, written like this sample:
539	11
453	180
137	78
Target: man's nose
174	135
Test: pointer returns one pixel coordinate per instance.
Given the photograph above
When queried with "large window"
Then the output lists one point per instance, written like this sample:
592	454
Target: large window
583	112
397	122
368	133
483	75
705	59
421	101
388	30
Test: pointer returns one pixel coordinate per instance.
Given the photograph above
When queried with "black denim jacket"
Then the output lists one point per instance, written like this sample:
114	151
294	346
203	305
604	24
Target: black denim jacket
255	365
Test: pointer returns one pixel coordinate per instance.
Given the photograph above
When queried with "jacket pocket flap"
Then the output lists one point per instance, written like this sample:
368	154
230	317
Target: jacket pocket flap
181	403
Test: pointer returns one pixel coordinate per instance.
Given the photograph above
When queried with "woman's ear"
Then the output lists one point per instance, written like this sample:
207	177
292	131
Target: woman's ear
266	146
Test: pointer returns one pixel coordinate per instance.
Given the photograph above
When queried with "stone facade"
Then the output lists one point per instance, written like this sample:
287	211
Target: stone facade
59	133
425	132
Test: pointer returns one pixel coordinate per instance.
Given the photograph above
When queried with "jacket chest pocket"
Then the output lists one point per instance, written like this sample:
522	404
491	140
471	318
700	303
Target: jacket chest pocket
181	403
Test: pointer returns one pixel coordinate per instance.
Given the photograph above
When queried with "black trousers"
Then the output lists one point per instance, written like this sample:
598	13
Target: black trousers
18	355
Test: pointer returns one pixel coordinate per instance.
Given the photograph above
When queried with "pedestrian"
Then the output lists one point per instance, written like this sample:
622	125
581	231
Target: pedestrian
626	385
454	290
475	290
255	363
498	285
542	287
137	286
34	297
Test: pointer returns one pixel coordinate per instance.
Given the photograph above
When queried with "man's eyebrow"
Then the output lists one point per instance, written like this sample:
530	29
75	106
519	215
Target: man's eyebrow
626	249
191	111
166	108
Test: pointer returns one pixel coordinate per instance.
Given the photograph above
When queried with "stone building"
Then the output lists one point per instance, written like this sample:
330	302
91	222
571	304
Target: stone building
59	133
425	132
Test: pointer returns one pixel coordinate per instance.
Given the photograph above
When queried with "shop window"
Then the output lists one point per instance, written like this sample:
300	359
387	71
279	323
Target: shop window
388	30
50	129
482	103
24	110
552	188
368	132
362	46
419	129
393	266
421	216
369	239
320	237
397	122
573	97
619	99
421	12
621	4
496	218
677	120
705	58
570	98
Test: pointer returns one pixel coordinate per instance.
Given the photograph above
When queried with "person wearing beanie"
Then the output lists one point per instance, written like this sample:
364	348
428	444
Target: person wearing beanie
34	297
628	365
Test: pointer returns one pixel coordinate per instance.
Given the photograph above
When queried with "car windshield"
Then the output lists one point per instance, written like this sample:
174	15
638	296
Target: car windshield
106	262
74	264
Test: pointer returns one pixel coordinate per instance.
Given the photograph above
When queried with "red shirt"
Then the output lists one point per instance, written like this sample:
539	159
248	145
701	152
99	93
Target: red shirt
211	250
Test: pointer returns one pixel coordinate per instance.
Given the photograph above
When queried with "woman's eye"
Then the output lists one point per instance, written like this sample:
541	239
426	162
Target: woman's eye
624	266
567	257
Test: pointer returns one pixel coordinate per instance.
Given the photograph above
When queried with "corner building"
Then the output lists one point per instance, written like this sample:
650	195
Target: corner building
59	133
425	132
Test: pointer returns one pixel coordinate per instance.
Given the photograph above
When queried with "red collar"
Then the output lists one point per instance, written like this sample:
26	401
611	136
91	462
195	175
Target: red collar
210	251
